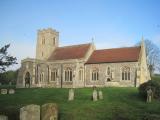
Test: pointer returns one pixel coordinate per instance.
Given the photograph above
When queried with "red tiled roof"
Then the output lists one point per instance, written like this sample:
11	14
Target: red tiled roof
130	54
69	52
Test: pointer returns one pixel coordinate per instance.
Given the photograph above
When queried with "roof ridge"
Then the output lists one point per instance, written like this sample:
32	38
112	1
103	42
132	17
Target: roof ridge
117	48
75	45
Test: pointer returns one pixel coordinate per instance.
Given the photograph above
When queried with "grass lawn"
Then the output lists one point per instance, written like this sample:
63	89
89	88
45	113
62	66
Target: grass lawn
118	104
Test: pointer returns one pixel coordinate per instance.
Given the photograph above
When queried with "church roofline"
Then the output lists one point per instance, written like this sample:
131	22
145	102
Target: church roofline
76	45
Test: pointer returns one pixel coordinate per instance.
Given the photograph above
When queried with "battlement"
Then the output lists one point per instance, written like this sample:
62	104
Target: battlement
48	30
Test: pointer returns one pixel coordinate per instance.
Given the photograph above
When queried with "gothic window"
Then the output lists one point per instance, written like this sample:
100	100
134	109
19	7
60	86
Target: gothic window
54	75
95	74
54	41
42	54
81	74
125	73
108	71
41	77
43	40
68	74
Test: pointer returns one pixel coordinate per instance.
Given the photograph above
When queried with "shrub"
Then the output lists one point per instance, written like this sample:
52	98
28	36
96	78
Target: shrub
154	85
148	116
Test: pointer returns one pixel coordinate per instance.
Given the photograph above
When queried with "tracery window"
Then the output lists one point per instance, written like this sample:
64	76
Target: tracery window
68	74
41	77
95	74
54	74
125	73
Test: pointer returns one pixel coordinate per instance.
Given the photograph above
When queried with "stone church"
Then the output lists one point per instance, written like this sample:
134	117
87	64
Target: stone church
82	65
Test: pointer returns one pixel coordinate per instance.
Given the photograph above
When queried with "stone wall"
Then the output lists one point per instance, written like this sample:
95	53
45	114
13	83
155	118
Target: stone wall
27	65
117	75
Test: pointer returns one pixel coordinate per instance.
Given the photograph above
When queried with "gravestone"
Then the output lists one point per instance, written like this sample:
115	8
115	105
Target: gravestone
94	95
71	94
30	112
149	95
100	95
3	117
4	91
27	85
49	111
11	91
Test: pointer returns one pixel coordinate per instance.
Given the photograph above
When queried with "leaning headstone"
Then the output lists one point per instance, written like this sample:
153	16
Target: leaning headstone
49	111
100	95
149	95
11	91
94	95
30	112
4	91
71	94
3	117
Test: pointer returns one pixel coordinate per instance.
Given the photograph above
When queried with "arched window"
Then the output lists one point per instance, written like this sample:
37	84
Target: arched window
68	74
95	74
54	40
54	74
42	54
108	71
41	77
125	73
43	40
81	74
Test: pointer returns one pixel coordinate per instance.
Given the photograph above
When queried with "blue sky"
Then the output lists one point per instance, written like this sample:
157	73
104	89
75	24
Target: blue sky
112	23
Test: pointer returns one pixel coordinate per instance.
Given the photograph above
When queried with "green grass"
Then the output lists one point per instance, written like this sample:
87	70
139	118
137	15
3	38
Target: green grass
118	103
156	77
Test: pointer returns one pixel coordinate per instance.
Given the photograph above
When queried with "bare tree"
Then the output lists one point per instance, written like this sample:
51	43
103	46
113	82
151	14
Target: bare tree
153	56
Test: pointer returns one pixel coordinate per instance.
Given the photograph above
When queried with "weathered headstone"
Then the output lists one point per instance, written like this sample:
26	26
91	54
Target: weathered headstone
30	112
3	117
4	91
11	91
94	95
27	85
71	94
149	95
49	111
100	95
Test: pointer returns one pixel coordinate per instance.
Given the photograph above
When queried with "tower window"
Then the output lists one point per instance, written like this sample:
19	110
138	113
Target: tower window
43	41
42	54
54	41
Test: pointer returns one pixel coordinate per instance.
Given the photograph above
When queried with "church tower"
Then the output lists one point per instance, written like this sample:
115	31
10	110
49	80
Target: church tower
47	41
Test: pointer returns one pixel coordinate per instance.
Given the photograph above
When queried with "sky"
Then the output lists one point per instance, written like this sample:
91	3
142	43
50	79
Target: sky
111	23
